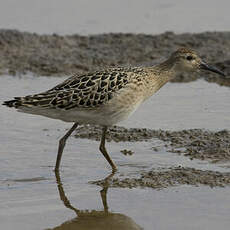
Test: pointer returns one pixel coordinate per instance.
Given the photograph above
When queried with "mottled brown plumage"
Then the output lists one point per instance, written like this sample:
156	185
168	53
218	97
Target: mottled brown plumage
108	96
84	91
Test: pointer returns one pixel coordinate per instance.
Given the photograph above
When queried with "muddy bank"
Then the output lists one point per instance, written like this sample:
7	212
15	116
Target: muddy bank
194	143
163	178
21	52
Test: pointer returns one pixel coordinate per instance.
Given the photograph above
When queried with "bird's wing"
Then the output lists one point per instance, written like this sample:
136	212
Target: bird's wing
89	90
84	91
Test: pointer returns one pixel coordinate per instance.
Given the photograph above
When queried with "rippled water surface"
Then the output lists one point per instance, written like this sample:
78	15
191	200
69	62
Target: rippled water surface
31	199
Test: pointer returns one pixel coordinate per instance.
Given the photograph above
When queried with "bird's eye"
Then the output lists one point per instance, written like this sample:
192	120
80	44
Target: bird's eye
189	58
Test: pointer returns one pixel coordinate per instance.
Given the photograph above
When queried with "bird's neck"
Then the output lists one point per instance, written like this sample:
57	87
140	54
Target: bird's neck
159	75
166	69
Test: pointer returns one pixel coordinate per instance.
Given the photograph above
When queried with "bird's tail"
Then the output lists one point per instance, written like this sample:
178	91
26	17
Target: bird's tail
16	102
37	100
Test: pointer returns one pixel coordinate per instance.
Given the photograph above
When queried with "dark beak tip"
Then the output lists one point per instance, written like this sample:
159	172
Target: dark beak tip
205	66
222	74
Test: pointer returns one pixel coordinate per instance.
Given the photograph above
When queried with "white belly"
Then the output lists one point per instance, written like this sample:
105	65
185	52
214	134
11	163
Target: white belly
117	109
108	115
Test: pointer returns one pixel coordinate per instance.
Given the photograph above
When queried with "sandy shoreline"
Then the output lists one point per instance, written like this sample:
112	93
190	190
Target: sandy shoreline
57	55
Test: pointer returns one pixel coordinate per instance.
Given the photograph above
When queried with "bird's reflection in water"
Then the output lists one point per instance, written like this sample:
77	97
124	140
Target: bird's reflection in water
95	220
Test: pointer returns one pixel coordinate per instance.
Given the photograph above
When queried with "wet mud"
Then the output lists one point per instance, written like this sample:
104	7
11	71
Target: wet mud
48	55
201	144
163	178
194	143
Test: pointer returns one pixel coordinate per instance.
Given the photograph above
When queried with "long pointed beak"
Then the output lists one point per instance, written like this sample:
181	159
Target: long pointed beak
205	66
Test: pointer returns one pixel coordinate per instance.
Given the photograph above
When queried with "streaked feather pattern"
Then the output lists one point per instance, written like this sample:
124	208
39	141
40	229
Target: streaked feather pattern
85	91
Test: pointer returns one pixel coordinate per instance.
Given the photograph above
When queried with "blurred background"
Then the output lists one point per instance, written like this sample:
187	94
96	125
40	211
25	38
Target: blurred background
103	16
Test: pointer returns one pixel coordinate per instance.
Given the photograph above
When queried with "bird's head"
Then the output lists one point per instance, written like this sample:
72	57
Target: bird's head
185	59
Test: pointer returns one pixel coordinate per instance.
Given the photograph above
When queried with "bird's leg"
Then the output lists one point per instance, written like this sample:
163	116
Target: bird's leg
106	184
104	151
61	146
104	199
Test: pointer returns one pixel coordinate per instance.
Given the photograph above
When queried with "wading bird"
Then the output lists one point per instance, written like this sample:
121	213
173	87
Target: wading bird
106	97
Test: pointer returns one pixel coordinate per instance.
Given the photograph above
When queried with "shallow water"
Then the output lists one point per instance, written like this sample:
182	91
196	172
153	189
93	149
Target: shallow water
29	197
103	16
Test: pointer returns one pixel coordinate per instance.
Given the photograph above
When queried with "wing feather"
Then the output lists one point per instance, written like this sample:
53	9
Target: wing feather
80	91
